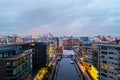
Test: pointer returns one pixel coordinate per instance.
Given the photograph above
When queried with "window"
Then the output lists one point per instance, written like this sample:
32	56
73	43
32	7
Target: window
15	63
105	62
111	77
104	75
1	55
111	53
14	52
6	55
9	71
9	53
104	52
104	70
110	57
8	63
14	71
117	48
102	56
104	47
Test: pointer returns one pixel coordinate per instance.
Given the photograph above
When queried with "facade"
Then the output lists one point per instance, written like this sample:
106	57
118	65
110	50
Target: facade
51	51
89	51
22	61
109	62
70	43
86	55
14	64
39	56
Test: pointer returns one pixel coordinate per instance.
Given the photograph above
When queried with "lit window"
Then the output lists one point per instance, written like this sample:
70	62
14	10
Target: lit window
8	63
1	55
104	66
15	63
110	67
14	71
5	55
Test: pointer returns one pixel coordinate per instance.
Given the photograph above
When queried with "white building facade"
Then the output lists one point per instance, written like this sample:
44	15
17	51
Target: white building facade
109	61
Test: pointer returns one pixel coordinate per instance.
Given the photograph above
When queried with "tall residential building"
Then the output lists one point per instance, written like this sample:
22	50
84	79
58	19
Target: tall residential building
109	61
39	56
15	64
22	61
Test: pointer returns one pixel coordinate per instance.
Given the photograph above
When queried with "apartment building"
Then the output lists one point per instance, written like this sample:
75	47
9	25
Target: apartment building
39	56
22	61
70	43
89	50
14	64
109	61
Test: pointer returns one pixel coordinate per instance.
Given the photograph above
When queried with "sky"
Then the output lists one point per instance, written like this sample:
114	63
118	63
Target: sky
60	17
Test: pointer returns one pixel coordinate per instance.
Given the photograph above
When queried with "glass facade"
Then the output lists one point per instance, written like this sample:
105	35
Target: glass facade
19	66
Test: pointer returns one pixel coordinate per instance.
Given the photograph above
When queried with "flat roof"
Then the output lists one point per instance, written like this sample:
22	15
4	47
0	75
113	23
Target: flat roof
114	45
23	43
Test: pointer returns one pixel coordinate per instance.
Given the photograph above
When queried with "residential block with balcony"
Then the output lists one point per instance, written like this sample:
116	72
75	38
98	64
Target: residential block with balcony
109	62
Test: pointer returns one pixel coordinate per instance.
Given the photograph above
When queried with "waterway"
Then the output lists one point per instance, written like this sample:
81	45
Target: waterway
67	70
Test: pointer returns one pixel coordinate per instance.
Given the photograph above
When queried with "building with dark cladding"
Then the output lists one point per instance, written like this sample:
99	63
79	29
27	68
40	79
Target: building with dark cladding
22	61
39	56
14	64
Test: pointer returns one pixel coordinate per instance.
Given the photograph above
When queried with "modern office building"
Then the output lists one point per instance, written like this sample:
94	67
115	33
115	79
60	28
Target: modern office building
14	64
109	61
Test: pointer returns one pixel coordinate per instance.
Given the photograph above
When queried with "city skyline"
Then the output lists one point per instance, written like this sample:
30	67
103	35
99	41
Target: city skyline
60	17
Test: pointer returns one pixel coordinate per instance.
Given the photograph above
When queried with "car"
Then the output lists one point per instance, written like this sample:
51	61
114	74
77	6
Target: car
71	62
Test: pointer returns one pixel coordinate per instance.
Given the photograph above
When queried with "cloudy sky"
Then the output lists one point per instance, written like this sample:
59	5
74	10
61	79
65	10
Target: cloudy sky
60	17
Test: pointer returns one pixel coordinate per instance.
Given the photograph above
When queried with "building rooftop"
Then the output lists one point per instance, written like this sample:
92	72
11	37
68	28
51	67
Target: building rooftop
115	45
